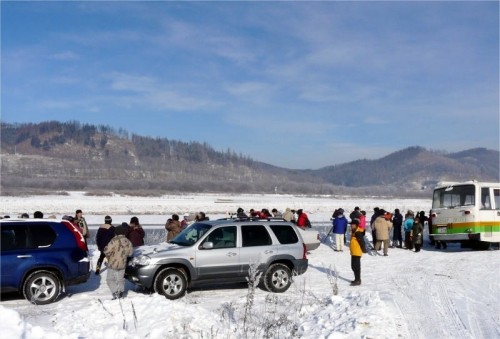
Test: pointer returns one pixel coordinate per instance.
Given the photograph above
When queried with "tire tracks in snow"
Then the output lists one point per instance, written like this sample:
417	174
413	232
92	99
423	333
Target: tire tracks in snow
432	298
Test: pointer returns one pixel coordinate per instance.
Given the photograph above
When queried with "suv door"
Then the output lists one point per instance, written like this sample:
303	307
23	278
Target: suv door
222	260
288	238
256	246
17	257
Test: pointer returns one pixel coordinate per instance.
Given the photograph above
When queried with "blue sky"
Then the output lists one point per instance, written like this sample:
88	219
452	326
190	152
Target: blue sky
293	84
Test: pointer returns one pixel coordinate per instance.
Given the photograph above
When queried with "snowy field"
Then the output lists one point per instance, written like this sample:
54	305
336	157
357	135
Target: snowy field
432	294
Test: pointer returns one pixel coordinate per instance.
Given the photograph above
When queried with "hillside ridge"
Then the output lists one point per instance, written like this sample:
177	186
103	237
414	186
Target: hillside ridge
61	156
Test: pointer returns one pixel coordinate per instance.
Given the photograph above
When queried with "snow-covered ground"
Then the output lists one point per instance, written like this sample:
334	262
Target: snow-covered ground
431	294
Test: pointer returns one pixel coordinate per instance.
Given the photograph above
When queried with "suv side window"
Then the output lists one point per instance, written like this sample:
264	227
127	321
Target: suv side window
41	236
223	237
255	235
285	234
14	237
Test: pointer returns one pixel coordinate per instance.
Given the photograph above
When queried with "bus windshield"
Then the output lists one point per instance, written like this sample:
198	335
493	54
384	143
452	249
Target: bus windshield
454	196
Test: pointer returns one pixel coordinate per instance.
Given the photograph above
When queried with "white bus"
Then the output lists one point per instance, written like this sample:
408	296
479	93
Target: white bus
466	212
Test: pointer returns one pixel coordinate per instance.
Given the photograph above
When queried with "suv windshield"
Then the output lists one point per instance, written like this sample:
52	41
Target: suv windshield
191	234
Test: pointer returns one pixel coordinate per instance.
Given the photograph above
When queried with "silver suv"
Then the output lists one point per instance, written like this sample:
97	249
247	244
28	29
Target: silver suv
221	251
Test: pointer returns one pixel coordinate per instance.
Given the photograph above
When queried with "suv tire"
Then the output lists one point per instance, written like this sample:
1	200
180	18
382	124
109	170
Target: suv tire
278	278
42	287
171	282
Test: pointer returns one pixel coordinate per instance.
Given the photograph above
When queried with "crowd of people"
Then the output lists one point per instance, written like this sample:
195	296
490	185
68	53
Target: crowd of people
116	243
388	230
298	217
381	224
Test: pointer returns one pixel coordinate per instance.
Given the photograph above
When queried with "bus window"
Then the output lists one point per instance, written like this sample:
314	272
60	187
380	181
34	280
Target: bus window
454	196
485	198
469	200
496	193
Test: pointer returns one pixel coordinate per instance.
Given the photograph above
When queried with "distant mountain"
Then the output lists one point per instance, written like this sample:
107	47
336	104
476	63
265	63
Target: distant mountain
415	167
72	156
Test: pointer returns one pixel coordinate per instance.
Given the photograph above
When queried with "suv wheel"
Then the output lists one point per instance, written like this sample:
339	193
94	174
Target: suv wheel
171	282
278	278
42	288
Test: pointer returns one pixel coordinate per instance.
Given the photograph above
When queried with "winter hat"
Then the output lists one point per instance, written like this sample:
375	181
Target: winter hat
357	214
240	210
122	229
69	218
108	220
134	220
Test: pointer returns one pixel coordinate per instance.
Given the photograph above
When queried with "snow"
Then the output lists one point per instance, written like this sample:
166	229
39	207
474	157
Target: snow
431	294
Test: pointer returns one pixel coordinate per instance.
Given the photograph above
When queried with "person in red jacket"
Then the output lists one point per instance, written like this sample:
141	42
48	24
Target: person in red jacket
302	219
135	233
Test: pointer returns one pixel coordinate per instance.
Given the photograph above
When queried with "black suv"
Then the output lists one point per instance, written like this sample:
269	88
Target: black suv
40	257
221	251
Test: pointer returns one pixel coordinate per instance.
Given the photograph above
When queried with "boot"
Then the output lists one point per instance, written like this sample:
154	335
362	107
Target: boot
356	283
98	269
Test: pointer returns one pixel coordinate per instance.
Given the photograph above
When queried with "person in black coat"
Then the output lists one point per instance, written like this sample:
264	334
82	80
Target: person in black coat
397	223
105	233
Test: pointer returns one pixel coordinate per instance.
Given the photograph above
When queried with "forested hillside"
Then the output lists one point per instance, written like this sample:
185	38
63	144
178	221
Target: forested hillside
73	156
55	155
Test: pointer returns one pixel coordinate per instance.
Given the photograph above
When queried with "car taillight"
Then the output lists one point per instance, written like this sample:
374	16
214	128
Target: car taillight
80	241
304	255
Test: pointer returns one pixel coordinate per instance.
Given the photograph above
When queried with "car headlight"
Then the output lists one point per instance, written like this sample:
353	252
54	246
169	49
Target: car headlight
142	260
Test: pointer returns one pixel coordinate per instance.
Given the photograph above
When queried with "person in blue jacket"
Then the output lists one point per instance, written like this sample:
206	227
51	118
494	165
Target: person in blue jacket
408	226
339	229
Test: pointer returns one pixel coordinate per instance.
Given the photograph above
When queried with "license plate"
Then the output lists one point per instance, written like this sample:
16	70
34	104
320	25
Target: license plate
441	230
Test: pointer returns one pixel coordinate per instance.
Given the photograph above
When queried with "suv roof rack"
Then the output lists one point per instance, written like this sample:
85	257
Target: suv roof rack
253	219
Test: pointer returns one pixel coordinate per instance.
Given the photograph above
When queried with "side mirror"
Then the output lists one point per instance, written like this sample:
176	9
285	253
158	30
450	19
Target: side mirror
207	245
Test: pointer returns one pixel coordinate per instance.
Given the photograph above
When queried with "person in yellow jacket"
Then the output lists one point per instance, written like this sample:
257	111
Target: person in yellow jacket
357	247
